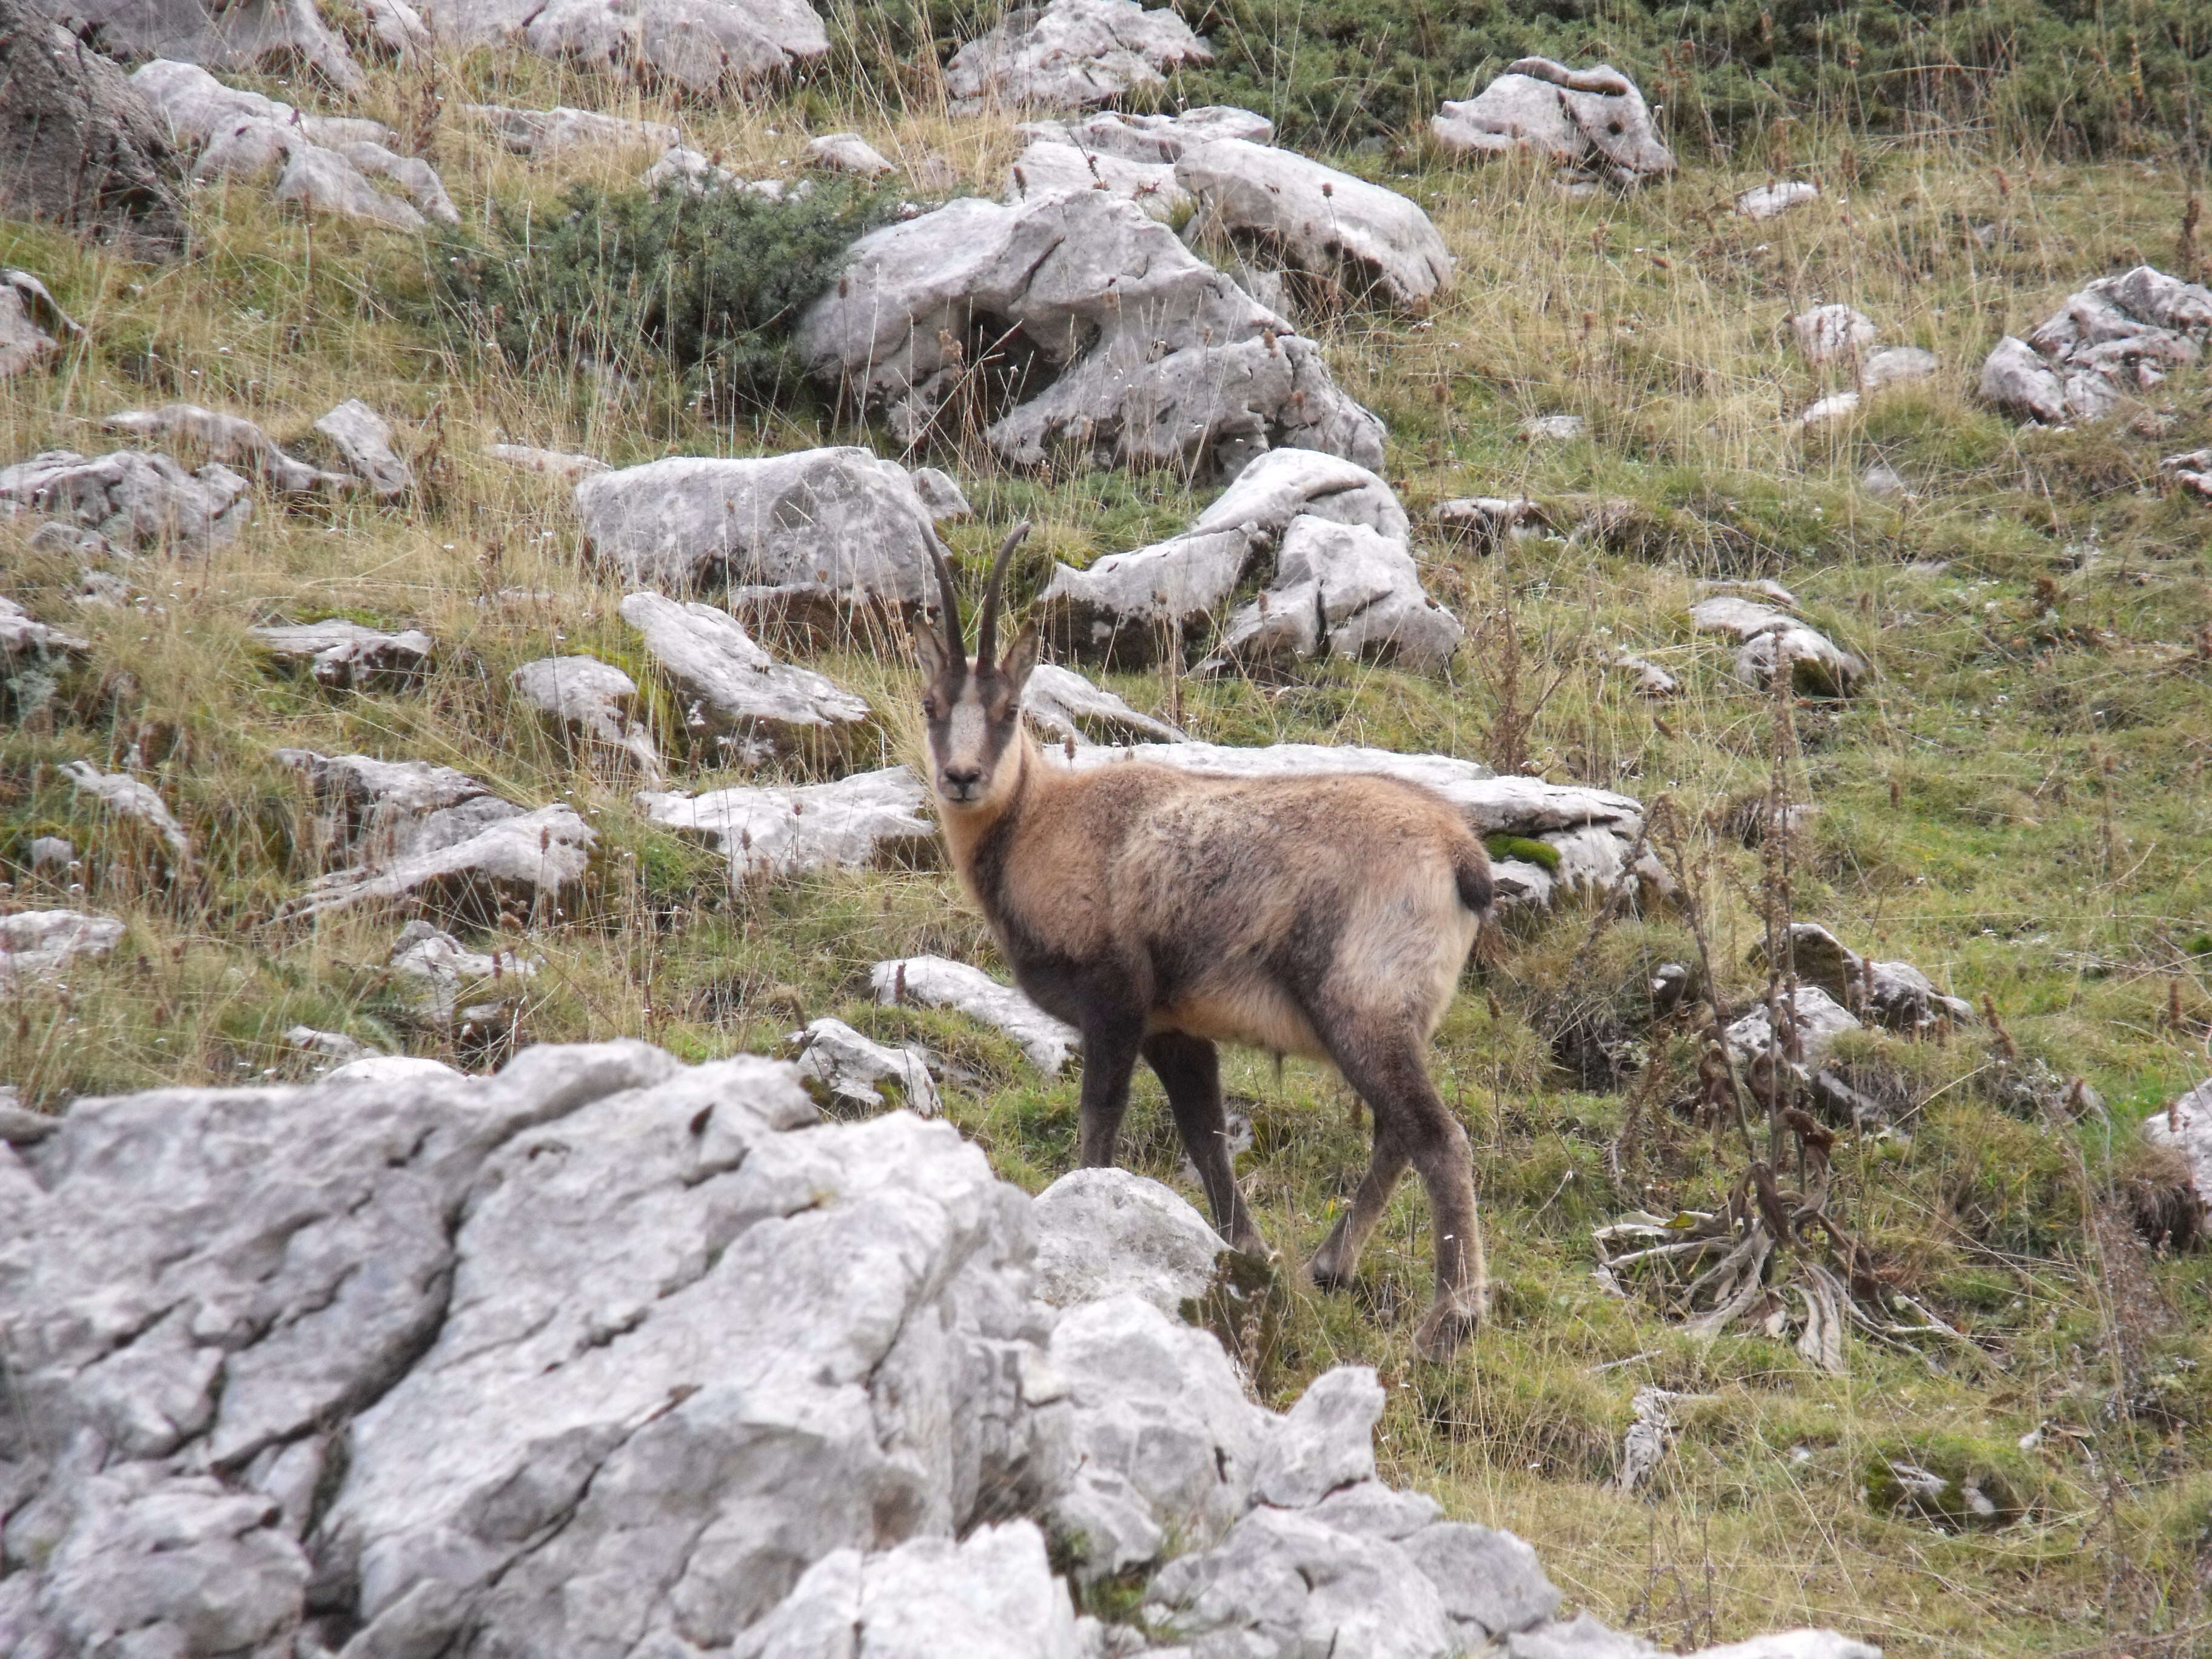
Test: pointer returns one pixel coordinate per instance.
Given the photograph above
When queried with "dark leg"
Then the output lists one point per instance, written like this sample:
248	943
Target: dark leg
1190	1071
1109	1056
1414	1126
1332	1264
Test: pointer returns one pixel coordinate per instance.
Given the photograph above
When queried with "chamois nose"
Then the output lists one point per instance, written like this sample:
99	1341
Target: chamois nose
961	781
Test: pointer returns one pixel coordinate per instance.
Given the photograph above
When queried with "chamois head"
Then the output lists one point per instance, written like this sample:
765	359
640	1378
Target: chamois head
973	708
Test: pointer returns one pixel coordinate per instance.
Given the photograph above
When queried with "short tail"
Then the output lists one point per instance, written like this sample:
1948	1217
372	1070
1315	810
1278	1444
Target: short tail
1472	871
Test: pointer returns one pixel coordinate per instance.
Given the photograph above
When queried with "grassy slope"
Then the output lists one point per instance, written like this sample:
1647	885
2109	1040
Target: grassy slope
2018	805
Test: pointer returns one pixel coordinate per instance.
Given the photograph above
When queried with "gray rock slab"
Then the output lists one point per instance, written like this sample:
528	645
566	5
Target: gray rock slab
2185	1127
364	438
1594	120
1897	365
438	971
732	691
698	46
1111	1232
38	945
550	463
1063	704
1770	201
1070	54
839	519
550	132
1156	358
2115	338
231	439
1832	333
1321	221
1325	1443
869	818
1819	666
28	311
350	656
1820	1019
251	39
595	702
841	1066
133	498
122	796
847	152
936	982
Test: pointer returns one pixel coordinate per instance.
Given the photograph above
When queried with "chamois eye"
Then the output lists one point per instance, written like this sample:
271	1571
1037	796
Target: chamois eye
929	708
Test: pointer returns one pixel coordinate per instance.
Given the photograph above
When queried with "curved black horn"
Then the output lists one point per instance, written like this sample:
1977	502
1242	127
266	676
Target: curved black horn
948	600
987	630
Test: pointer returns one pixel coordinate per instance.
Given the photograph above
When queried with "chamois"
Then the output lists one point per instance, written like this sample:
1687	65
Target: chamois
1159	911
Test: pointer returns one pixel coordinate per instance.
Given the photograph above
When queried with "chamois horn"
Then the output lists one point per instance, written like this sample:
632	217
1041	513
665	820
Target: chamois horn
986	628
948	600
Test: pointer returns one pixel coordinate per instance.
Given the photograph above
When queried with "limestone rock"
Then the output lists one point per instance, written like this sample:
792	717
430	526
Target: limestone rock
697	47
1070	54
334	1046
1818	1020
1593	120
78	146
34	656
1153	357
39	944
1348	588
382	1071
2113	339
2185	1125
1834	407
733	692
326	182
1897	365
410	831
837	1062
1063	704
348	656
1110	1232
51	856
549	132
1829	334
1819	666
364	438
440	969
1133	156
27	312
1894	994
936	982
1320	221
837	519
1553	428
268	37
200	110
1326	1442
940	494
133	498
124	797
1768	201
551	463
1484	520
847	152
411	173
594	700
231	439
871	819
1652	680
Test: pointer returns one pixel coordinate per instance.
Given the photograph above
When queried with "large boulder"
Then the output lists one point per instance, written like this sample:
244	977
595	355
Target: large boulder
1315	220
611	1354
131	497
78	146
1070	54
1593	120
2114	339
700	46
839	521
1131	350
1110	1232
271	35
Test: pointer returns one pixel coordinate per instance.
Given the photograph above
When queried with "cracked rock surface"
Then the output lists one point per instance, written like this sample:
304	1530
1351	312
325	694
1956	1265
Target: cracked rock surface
1141	353
938	982
132	497
350	656
231	439
609	1355
2113	339
1070	54
1818	667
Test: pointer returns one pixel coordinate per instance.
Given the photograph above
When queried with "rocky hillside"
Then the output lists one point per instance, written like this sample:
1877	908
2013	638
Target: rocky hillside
465	480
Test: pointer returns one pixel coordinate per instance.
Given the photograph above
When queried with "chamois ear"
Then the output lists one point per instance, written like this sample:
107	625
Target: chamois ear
1021	657
928	647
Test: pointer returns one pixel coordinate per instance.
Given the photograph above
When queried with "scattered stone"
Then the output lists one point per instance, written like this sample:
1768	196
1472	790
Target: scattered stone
441	969
1070	54
1652	680
1161	359
409	831
549	132
697	47
871	819
1763	587
1834	407
594	700
2113	339
550	463
840	1066
133	498
2192	471
1895	994
697	173
334	1046
1110	1232
27	312
733	692
1768	201
1883	481
1818	667
1553	428
52	856
936	982
847	152
1897	365
1318	220
34	656
348	656
2184	1126
1063	704
940	494
838	521
82	149
231	439
364	438
39	945
1483	519
1593	121
126	797
1831	334
1327	1442
206	33
1818	1018
1593	831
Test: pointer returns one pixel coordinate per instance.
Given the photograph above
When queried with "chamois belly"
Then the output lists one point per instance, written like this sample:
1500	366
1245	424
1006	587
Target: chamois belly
1250	1012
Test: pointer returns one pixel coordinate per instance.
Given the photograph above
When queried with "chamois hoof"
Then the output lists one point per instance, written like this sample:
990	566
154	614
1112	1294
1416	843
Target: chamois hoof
1445	1326
1323	1275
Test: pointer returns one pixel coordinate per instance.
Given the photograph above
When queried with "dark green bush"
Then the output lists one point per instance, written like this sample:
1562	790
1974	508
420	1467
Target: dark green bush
709	286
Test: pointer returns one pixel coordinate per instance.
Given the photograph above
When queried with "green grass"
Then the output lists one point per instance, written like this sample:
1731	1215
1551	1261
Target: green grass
2017	804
